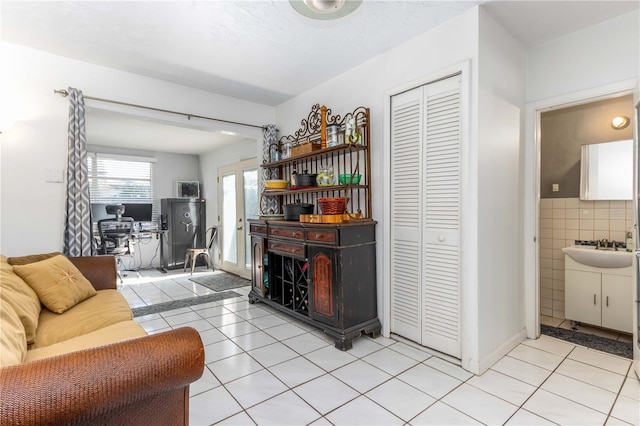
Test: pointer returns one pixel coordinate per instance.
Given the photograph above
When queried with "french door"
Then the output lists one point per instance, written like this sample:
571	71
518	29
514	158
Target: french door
237	201
636	200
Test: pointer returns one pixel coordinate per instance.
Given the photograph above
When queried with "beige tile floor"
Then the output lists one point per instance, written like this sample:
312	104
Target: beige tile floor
265	368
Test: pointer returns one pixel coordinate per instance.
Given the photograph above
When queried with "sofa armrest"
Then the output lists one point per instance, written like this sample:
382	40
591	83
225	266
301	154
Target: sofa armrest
89	386
99	270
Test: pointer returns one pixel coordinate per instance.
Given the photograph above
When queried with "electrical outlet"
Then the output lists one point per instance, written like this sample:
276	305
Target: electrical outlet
555	187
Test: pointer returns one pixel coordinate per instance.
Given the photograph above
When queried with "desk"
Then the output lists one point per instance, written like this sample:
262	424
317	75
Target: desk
138	235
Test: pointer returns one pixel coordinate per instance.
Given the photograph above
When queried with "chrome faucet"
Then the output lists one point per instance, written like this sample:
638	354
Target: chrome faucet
604	243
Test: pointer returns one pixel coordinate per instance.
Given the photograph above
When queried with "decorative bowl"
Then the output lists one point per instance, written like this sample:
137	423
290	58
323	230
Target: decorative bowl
276	184
347	178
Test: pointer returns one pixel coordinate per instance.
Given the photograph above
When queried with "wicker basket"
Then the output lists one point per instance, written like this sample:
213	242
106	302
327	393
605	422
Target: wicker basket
332	205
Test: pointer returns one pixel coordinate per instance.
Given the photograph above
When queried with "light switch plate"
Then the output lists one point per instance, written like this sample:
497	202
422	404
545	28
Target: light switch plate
555	187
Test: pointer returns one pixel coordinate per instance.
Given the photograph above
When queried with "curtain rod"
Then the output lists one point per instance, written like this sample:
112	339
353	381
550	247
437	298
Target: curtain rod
65	93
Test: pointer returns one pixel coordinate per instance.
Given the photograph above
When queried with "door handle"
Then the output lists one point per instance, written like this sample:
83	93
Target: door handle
594	299
239	229
607	300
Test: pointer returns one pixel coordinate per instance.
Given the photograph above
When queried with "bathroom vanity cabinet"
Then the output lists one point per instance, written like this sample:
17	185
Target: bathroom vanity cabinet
599	296
322	274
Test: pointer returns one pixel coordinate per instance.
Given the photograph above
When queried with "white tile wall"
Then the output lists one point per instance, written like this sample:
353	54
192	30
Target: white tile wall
564	220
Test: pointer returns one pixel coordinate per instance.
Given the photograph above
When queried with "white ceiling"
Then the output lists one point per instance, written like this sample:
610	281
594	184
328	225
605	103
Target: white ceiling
261	51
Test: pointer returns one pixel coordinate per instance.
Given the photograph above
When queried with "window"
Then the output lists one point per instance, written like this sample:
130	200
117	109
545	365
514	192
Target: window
121	179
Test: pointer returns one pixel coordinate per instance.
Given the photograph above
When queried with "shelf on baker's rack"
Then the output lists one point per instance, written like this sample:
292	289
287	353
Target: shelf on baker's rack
342	147
311	189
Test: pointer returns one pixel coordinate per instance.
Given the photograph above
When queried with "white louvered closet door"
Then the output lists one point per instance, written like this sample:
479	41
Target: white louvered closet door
425	193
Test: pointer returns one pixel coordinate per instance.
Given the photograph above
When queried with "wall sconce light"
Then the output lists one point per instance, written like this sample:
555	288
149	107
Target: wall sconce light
620	122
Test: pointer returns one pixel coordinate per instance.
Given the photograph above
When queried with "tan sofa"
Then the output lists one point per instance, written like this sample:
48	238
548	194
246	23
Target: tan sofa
92	364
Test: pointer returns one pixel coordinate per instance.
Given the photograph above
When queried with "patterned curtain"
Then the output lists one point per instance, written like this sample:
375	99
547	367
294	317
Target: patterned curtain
269	204
78	235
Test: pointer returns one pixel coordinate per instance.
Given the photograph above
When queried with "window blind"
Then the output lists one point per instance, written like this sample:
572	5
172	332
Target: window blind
121	179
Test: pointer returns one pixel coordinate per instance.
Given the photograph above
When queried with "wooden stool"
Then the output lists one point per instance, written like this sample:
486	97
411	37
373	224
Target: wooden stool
192	255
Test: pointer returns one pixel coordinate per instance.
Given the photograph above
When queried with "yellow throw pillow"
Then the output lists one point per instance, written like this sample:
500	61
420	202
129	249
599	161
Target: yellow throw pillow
57	282
13	341
21	296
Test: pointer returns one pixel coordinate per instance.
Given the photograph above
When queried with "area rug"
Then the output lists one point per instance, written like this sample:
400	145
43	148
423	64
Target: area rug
592	341
182	303
221	281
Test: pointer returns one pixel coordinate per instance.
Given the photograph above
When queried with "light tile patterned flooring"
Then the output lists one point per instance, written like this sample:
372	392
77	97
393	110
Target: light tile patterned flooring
265	368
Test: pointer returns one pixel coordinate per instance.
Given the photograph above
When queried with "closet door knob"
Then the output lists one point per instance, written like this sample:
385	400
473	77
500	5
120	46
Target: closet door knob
441	238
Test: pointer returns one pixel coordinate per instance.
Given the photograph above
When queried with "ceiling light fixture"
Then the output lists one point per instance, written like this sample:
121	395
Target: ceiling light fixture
620	122
325	9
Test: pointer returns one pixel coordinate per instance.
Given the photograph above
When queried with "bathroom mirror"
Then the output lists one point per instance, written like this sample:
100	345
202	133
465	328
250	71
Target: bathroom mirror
606	171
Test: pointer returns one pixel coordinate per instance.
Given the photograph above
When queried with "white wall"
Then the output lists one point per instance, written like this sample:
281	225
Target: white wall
500	299
596	56
32	209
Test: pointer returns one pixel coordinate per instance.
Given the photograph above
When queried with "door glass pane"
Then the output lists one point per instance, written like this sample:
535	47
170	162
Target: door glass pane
229	235
250	190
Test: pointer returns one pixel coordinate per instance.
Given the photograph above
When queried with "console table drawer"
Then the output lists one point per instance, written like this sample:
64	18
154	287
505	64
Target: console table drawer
258	229
292	233
322	236
287	248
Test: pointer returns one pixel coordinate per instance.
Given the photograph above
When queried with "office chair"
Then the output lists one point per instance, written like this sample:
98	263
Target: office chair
192	254
116	235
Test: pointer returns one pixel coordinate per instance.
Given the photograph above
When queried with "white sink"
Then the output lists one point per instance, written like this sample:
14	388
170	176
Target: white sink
600	258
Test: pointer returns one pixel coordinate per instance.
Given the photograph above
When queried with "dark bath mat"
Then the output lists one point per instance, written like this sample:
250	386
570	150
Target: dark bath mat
603	344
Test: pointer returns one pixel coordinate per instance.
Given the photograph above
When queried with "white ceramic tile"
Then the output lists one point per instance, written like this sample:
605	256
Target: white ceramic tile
631	388
390	361
505	387
536	356
326	393
361	376
211	335
305	343
224	319
448	368
329	359
592	375
220	350
363	411
562	411
157	324
521	370
255	388
206	382
401	399
550	344
322	421
429	380
212	406
441	414
253	340
363	347
480	405
237	329
240	419
601	360
268	321
284	331
234	367
284	409
546	203
212	311
627	409
580	392
252	313
296	371
272	354
523	417
200	325
612	421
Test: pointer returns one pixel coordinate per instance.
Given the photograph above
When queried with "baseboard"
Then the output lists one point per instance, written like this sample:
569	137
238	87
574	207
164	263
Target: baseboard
479	367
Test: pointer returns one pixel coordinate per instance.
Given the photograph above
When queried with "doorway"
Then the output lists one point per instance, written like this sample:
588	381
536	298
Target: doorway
557	214
238	201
